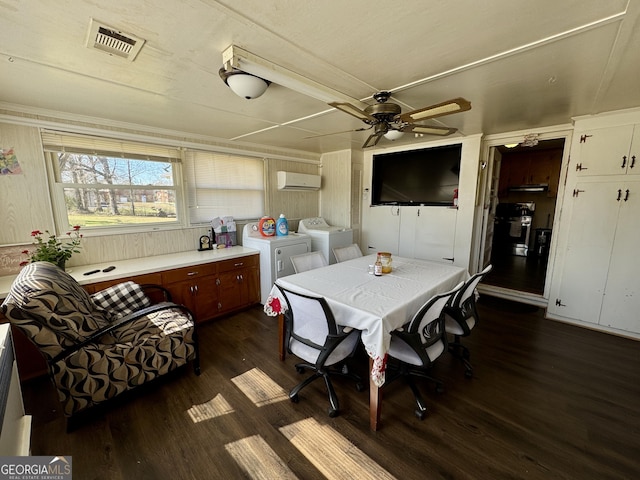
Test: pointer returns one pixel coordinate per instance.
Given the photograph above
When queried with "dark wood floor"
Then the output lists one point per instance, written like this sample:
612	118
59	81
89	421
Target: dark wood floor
548	401
525	274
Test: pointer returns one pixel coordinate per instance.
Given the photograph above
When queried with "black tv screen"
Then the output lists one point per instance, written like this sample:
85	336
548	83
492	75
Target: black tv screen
416	177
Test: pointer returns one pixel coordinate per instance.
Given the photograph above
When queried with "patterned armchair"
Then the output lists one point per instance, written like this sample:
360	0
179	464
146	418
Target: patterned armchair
98	346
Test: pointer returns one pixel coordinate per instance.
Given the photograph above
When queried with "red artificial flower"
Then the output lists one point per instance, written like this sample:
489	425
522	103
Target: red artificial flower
35	233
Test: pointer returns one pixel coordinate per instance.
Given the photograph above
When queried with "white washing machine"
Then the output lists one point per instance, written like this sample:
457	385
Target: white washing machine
325	237
274	254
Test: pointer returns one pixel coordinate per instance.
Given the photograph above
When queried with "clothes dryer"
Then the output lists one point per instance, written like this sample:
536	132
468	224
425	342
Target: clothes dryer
325	237
275	253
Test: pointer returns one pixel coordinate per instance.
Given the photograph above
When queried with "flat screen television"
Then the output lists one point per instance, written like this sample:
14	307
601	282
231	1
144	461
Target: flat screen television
426	176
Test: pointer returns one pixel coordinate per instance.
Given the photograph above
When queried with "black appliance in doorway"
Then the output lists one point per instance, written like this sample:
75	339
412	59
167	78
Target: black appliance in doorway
513	227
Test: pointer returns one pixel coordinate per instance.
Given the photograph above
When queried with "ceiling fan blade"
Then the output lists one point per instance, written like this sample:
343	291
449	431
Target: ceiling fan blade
355	111
445	108
373	140
429	129
337	133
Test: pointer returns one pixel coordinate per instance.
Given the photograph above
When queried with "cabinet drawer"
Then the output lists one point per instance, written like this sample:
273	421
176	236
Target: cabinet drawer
188	273
238	263
150	278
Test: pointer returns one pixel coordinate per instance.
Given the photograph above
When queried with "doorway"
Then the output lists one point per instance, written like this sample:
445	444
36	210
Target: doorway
522	210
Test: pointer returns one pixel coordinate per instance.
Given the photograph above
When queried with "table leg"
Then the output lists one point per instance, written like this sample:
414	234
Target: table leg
375	401
281	339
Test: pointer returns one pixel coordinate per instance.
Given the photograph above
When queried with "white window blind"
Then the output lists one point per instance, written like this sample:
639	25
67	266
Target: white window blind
221	184
101	146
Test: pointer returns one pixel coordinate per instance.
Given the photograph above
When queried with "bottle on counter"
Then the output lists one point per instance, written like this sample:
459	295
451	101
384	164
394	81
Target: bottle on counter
282	226
377	267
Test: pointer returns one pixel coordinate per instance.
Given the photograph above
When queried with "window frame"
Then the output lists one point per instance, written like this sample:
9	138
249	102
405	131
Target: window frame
57	187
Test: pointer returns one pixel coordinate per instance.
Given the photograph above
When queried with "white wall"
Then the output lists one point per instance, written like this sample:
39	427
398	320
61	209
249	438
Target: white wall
469	168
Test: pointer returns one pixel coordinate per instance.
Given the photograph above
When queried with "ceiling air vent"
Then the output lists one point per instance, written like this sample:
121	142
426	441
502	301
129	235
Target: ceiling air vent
112	41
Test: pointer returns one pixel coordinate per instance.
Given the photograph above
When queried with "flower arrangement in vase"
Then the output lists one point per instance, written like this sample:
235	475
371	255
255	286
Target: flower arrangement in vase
54	249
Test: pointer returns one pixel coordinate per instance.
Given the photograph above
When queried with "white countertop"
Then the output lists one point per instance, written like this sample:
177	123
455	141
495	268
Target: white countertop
140	266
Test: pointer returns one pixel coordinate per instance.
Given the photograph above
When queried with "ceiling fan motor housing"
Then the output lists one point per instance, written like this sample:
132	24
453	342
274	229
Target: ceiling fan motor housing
384	112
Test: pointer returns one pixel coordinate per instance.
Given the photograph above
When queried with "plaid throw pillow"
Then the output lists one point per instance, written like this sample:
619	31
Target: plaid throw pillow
121	299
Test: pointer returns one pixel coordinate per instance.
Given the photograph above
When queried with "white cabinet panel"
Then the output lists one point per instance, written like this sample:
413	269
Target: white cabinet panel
435	231
608	151
621	304
587	252
383	227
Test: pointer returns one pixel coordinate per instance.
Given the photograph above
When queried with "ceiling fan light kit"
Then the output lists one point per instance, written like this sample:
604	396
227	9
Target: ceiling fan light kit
393	134
391	123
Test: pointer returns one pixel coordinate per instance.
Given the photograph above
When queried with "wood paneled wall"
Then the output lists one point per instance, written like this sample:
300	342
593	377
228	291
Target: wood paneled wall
25	206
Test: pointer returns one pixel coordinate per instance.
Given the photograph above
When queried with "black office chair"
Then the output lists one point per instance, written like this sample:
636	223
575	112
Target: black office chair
416	346
461	316
313	336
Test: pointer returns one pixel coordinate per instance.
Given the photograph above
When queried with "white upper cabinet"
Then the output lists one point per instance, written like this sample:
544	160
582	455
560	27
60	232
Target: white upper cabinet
609	151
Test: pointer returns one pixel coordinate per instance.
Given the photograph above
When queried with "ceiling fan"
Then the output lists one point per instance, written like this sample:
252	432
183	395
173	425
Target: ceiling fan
386	117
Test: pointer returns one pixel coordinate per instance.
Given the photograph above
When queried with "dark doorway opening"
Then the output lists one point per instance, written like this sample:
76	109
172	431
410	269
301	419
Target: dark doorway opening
525	208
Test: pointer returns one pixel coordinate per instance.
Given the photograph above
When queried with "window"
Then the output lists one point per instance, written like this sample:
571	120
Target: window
221	184
106	183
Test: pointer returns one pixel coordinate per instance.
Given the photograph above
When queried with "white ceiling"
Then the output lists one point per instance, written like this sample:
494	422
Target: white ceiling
522	64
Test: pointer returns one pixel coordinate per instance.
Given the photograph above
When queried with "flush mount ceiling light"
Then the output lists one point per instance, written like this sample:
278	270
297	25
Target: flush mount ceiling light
244	84
236	58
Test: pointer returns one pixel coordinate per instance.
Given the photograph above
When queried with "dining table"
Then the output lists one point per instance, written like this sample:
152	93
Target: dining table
374	304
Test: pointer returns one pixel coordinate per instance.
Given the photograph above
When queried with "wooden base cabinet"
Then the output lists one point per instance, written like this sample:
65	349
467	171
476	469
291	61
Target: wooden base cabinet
238	283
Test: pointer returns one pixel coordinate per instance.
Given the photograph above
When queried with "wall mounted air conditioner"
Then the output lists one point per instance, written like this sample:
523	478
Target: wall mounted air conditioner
298	181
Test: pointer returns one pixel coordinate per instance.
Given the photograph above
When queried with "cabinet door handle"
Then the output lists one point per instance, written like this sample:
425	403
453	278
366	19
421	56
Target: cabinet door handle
218	281
624	162
626	195
238	264
619	195
633	161
190	274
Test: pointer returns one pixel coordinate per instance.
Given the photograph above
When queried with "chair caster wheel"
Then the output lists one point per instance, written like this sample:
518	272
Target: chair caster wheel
468	373
294	399
299	369
333	413
440	389
359	387
197	371
420	414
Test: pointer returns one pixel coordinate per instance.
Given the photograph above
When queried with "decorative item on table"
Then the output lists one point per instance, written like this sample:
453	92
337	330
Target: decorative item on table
377	267
385	260
267	226
224	230
53	249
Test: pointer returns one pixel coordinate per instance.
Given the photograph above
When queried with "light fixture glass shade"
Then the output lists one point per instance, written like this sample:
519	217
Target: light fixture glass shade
393	135
246	85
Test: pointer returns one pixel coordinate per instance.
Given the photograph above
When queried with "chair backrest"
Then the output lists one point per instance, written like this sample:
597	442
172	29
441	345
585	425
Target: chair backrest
429	320
308	261
349	252
51	308
309	320
468	289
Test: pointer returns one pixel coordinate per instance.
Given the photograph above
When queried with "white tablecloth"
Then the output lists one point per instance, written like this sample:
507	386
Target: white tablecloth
376	305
